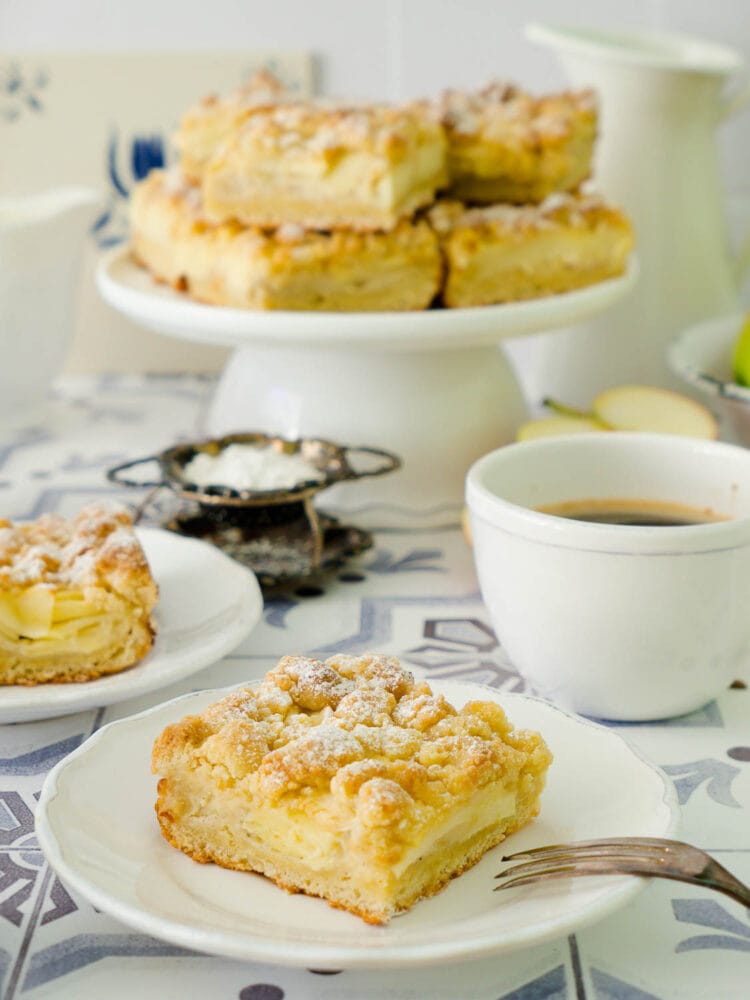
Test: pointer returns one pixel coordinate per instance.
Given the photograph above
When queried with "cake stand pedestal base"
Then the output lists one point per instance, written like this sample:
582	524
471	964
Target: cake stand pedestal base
439	410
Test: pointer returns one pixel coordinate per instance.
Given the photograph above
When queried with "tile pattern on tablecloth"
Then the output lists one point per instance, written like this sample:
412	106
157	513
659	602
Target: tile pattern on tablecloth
415	595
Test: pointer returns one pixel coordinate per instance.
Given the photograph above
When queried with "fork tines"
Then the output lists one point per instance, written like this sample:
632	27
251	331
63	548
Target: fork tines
609	846
622	855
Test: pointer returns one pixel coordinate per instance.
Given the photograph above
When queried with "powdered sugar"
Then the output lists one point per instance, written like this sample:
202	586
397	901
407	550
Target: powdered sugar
509	114
247	467
56	551
354	726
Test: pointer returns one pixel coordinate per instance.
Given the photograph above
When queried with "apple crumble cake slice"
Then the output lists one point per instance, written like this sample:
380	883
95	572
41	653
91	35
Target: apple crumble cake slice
506	253
76	597
291	268
505	145
325	167
346	780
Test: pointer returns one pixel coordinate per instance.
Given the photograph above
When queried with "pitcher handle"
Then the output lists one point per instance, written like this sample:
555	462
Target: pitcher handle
729	106
732	104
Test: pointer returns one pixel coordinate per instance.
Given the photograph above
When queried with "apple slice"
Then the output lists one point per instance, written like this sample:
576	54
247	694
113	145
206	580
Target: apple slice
466	526
648	408
557	426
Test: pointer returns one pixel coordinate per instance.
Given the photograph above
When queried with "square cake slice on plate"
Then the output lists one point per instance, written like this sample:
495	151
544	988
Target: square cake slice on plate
292	268
324	167
76	597
508	253
347	780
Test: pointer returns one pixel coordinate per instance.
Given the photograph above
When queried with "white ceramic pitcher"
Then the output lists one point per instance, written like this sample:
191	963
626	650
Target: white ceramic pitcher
41	240
662	99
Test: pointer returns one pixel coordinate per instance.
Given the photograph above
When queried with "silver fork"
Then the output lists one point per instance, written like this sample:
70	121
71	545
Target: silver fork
649	856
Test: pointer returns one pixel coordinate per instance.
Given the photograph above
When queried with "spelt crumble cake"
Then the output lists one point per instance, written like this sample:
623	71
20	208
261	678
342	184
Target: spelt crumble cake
347	780
362	167
76	597
289	268
507	253
507	145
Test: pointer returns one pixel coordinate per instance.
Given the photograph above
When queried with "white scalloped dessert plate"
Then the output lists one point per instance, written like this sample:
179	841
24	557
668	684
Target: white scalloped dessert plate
131	290
207	605
102	839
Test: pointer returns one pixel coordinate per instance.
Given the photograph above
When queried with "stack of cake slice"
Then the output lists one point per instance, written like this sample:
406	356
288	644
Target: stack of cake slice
279	203
514	224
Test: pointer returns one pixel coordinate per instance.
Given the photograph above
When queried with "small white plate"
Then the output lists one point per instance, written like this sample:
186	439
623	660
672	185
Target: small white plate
102	839
207	605
702	355
131	290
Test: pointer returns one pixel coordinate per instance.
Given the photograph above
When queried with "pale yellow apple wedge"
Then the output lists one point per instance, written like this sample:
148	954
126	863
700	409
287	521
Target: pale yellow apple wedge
466	526
648	408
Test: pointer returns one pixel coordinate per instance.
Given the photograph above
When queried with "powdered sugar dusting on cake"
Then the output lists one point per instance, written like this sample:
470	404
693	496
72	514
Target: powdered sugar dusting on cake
324	127
71	553
357	728
29	567
502	111
559	208
311	760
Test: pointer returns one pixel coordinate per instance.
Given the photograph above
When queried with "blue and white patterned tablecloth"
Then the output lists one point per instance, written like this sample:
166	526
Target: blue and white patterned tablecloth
415	595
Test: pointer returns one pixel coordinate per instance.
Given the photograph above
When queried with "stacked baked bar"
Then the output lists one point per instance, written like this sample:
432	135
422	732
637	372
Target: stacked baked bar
279	203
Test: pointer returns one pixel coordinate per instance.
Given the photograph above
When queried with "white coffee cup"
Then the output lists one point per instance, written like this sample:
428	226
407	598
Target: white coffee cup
616	621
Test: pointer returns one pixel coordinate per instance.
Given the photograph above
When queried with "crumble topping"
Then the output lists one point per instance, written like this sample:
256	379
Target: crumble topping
559	208
504	111
263	89
55	551
325	128
357	728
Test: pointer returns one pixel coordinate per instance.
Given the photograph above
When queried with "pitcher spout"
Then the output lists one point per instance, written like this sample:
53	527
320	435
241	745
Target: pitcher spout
75	206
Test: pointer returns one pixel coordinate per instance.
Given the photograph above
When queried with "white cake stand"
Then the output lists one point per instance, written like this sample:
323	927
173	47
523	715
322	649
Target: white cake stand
431	386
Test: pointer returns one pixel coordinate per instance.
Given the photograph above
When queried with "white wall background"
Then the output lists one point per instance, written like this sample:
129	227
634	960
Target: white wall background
371	48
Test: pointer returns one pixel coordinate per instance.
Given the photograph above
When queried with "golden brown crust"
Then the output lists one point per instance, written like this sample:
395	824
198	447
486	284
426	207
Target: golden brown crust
373	768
